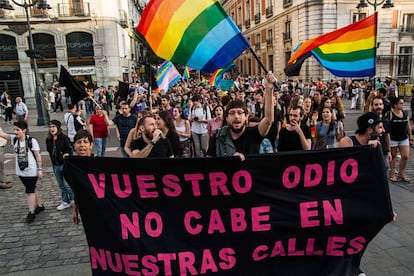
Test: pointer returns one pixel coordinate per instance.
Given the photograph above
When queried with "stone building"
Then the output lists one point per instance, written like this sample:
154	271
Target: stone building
275	27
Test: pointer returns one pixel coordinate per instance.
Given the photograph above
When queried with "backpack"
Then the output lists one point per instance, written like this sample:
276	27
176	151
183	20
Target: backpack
76	123
29	142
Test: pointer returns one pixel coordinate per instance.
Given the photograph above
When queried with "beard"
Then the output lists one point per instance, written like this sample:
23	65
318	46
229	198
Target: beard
148	134
237	130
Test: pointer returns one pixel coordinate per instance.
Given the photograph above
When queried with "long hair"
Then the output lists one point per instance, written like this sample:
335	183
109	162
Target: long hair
58	134
165	115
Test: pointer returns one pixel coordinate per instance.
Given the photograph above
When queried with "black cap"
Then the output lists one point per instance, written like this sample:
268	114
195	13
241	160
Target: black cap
369	119
21	124
55	123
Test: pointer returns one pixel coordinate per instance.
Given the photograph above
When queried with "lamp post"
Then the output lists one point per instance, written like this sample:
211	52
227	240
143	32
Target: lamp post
364	4
42	114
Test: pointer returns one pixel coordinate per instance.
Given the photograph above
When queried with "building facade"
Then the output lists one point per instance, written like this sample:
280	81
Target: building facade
94	40
275	27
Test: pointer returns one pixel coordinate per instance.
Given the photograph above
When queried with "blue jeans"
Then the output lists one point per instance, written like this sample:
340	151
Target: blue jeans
66	191
100	145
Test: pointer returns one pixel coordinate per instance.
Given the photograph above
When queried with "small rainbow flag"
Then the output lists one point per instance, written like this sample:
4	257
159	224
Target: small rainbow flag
167	75
186	74
218	74
346	52
199	34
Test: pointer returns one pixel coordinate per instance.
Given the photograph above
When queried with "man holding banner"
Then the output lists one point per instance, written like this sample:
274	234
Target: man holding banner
236	139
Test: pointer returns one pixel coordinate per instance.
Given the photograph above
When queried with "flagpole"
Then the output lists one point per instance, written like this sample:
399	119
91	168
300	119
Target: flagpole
262	65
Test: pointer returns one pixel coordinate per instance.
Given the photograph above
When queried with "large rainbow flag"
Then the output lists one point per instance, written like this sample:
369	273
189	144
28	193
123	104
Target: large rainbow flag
186	73
218	74
199	34
167	75
346	52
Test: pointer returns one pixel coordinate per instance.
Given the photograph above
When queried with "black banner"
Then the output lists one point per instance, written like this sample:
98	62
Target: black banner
305	213
73	89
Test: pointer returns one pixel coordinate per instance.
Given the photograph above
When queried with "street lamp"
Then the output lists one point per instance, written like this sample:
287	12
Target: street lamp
364	4
42	114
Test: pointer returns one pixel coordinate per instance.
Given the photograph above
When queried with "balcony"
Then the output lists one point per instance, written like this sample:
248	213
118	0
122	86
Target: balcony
257	18
123	19
286	37
239	26
74	10
269	11
257	46
269	42
247	23
407	29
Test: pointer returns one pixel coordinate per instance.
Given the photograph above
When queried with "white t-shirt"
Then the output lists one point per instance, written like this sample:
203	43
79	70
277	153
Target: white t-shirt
20	146
68	118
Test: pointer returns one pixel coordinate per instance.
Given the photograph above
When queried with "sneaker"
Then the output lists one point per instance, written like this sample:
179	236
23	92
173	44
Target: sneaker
39	209
361	273
30	217
63	205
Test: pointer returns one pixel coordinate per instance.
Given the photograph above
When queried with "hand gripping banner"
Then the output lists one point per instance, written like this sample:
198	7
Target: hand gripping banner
304	213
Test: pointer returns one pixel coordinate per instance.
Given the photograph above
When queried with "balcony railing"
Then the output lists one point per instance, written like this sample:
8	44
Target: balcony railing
269	42
407	29
247	23
286	36
239	26
257	18
74	9
123	19
269	11
257	46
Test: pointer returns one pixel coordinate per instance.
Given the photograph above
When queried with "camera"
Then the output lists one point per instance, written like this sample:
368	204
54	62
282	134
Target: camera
23	163
196	118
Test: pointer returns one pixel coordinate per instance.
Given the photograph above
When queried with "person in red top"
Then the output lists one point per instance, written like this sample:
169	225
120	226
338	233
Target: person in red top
99	130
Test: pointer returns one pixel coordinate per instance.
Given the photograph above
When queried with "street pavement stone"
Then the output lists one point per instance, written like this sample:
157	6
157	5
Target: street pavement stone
53	245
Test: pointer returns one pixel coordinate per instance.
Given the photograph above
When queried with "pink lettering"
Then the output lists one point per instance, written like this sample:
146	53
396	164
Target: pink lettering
99	188
357	244
278	249
333	246
218	182
259	253
187	222
306	214
228	258
166	258
207	263
186	261
98	259
286	177
117	266
353	165
117	186
310	248
216	223
311	169
248	182
153	217
128	227
149	264
194	178
172	188
238	219
330	179
260	215
292	248
130	263
145	183
331	212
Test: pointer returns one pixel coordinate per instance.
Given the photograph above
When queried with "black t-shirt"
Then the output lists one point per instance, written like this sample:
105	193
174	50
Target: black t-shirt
290	140
161	149
174	141
247	143
124	125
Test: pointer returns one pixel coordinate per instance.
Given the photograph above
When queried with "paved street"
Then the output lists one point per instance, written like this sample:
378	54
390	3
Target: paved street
53	245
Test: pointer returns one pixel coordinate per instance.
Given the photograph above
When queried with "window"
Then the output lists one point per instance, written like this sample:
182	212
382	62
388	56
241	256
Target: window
248	10
286	34
287	57
287	2
408	23
270	62
358	16
239	15
257	42
249	67
269	40
405	61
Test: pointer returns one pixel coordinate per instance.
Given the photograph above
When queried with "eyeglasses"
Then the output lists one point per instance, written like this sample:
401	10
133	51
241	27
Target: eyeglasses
239	113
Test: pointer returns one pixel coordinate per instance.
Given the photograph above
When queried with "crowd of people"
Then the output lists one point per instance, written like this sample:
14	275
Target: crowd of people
192	119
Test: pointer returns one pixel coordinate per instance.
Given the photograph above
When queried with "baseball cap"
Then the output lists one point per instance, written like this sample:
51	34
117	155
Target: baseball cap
55	123
369	119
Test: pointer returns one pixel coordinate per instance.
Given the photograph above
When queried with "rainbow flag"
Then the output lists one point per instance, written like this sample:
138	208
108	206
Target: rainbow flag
346	52
218	74
186	74
199	34
167	75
